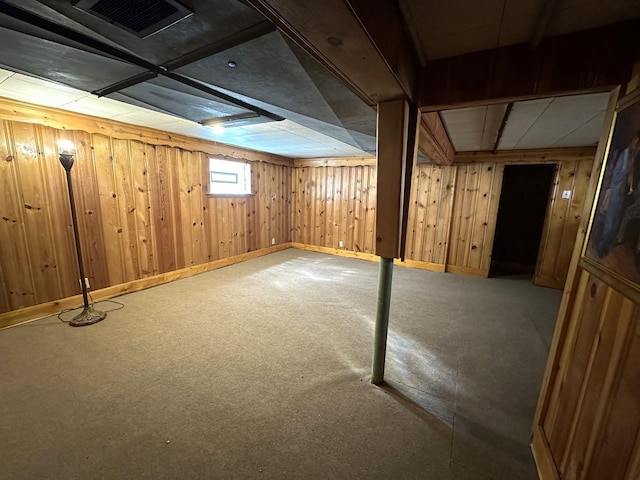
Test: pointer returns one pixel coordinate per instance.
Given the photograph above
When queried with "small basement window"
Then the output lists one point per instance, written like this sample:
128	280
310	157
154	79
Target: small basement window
229	178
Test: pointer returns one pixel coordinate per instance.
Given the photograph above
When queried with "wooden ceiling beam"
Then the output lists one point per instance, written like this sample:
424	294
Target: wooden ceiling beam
587	61
536	155
433	140
363	43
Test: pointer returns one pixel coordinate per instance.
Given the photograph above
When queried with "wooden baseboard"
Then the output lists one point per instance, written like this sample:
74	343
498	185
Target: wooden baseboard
336	251
434	267
548	282
45	309
468	271
547	469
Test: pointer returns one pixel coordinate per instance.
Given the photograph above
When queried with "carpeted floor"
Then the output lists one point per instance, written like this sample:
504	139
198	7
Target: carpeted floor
260	370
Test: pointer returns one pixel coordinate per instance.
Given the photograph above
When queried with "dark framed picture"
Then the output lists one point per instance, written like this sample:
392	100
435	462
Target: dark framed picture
613	245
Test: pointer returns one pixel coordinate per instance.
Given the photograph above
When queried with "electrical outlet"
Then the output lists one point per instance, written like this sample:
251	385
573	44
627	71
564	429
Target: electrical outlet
341	244
86	283
273	241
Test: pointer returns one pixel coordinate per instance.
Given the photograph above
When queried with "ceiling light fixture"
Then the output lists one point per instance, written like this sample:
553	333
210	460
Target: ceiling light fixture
232	64
231	120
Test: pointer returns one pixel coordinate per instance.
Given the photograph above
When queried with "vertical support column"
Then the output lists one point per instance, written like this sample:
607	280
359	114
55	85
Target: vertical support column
397	149
382	320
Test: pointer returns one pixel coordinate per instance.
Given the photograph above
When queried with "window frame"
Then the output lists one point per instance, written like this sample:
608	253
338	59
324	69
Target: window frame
248	174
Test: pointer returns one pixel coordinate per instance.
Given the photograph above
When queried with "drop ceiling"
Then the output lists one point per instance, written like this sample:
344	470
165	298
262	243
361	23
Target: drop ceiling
191	80
183	75
284	138
570	121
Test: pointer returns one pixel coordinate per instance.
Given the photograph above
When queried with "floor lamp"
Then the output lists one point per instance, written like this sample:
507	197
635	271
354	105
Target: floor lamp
88	316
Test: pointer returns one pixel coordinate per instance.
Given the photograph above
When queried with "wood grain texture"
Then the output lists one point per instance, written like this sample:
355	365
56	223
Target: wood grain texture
588	410
333	204
363	44
598	59
562	222
534	155
433	139
475	209
62	120
26	314
143	210
430	213
592	423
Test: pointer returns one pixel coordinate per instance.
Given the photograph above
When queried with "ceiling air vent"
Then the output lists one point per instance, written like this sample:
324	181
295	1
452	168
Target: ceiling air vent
140	17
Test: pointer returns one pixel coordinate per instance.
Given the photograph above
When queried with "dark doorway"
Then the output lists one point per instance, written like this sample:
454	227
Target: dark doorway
523	205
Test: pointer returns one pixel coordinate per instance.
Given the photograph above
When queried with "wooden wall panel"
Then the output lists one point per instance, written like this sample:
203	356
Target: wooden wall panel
475	209
592	423
142	210
36	218
562	222
430	213
15	265
587	423
333	204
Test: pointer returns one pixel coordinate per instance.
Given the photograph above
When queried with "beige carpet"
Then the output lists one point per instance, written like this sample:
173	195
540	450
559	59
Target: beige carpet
260	370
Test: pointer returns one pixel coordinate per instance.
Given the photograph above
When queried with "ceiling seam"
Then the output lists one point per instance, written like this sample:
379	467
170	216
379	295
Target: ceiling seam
534	122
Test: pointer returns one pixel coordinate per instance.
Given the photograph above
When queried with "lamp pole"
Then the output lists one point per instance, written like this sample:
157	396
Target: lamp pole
88	316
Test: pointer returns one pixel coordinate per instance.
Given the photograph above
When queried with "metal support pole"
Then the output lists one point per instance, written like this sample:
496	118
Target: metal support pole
382	320
72	203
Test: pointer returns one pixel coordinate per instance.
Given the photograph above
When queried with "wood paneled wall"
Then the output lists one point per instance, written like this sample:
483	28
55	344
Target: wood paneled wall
332	204
589	425
142	208
452	213
475	209
562	222
430	213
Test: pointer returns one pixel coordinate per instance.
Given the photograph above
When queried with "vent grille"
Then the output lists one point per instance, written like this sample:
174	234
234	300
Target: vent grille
140	17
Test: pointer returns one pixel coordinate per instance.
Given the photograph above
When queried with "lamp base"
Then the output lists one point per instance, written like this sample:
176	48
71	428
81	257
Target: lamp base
88	316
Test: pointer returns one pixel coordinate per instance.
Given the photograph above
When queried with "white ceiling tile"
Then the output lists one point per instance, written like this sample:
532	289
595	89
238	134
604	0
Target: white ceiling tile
4	74
492	122
100	107
33	90
142	116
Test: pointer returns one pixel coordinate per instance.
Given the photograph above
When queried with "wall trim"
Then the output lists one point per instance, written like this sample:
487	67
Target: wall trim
536	155
547	469
335	162
478	272
36	312
434	267
336	251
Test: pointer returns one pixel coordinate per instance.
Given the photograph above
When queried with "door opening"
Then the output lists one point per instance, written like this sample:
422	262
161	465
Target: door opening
521	212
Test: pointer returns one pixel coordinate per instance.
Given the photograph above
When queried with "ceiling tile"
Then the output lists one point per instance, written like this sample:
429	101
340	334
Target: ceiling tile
33	90
492	122
519	21
482	38
99	107
4	74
